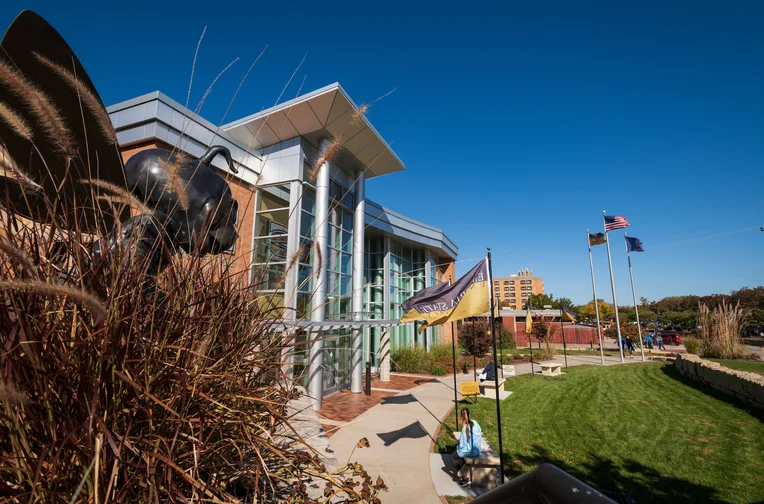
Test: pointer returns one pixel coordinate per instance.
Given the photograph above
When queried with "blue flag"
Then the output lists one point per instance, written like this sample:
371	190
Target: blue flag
634	244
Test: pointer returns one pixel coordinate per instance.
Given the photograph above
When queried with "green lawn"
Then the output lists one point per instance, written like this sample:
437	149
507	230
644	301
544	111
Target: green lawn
743	365
638	428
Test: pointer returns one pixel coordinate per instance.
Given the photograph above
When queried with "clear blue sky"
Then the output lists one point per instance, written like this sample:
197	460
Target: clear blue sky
518	124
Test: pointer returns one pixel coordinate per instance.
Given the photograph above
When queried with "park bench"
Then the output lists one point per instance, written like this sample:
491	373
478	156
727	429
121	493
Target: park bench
484	468
508	370
550	368
489	387
470	388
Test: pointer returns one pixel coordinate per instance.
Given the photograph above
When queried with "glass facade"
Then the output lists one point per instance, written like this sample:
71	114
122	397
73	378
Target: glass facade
269	249
340	266
374	295
408	270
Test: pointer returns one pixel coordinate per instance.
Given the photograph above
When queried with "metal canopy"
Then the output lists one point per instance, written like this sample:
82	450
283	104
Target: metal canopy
329	325
325	113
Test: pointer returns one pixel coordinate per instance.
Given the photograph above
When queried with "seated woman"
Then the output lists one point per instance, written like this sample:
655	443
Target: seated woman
469	445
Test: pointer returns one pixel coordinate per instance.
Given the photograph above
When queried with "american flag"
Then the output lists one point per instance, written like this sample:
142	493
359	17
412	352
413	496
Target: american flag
613	222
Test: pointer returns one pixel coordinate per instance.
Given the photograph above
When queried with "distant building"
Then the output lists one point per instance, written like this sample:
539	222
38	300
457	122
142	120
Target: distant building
515	289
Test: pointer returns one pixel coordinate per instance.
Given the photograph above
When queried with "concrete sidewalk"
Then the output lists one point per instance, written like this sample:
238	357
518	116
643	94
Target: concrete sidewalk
402	427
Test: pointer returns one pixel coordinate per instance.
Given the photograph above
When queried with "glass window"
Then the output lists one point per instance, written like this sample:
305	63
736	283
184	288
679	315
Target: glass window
273	249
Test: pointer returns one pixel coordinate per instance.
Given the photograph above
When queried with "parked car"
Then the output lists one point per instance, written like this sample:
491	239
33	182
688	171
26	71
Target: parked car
671	338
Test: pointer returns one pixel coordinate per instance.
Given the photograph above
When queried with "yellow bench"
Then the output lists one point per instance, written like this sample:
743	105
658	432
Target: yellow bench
471	388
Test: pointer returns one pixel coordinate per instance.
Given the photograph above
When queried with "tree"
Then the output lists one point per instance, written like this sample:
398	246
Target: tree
566	302
687	319
544	331
586	312
538	301
475	338
627	330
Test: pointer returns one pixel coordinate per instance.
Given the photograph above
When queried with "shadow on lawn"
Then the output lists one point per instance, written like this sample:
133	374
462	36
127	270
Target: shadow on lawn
642	483
672	372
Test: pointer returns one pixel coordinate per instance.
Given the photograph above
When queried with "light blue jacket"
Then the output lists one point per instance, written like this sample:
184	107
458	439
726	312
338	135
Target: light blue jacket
470	447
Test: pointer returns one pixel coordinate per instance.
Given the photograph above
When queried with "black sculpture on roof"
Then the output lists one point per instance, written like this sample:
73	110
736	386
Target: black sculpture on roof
56	131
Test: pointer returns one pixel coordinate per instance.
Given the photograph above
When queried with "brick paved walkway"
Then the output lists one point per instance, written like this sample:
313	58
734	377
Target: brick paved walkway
345	406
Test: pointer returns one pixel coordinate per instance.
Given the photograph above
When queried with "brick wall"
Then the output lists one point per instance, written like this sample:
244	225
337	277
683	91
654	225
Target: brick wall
573	333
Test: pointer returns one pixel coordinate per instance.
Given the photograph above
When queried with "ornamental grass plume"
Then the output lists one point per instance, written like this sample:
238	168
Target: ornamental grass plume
88	97
41	106
719	331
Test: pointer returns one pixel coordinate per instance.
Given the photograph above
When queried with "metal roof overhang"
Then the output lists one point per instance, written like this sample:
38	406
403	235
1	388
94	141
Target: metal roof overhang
325	113
328	325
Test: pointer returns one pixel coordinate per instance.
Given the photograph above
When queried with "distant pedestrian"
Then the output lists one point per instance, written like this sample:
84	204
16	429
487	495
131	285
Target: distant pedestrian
623	344
630	346
649	342
659	342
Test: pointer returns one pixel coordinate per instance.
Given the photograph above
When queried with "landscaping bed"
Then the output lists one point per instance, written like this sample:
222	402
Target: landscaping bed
640	429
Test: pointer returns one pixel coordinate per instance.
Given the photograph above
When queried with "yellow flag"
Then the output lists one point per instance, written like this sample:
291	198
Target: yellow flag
528	323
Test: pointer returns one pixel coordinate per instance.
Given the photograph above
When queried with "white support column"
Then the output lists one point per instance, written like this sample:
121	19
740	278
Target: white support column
384	353
318	302
428	265
359	221
290	278
384	341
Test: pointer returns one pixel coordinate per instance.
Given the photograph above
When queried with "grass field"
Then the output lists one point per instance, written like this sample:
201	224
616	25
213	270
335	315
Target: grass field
743	365
639	428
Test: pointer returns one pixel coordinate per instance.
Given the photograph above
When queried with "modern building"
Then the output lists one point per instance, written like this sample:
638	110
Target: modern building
355	261
515	289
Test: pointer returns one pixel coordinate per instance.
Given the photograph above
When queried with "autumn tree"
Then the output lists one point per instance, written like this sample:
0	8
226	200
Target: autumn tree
542	330
586	312
628	330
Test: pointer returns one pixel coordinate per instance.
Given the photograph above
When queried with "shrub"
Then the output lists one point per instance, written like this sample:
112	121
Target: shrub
410	360
437	371
440	350
475	338
691	344
507	339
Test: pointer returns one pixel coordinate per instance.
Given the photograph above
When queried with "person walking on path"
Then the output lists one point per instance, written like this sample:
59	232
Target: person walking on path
659	342
470	440
630	346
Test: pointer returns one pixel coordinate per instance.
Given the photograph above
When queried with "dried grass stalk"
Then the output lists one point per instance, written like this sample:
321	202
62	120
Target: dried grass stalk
9	168
173	178
119	194
17	254
15	121
41	107
91	101
47	289
329	154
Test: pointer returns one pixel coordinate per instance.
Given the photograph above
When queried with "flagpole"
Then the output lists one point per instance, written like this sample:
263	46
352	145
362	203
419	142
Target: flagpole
634	295
501	329
496	370
596	305
530	345
564	346
612	286
453	352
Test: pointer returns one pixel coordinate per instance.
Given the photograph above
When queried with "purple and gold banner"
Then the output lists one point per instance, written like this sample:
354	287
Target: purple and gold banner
467	297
